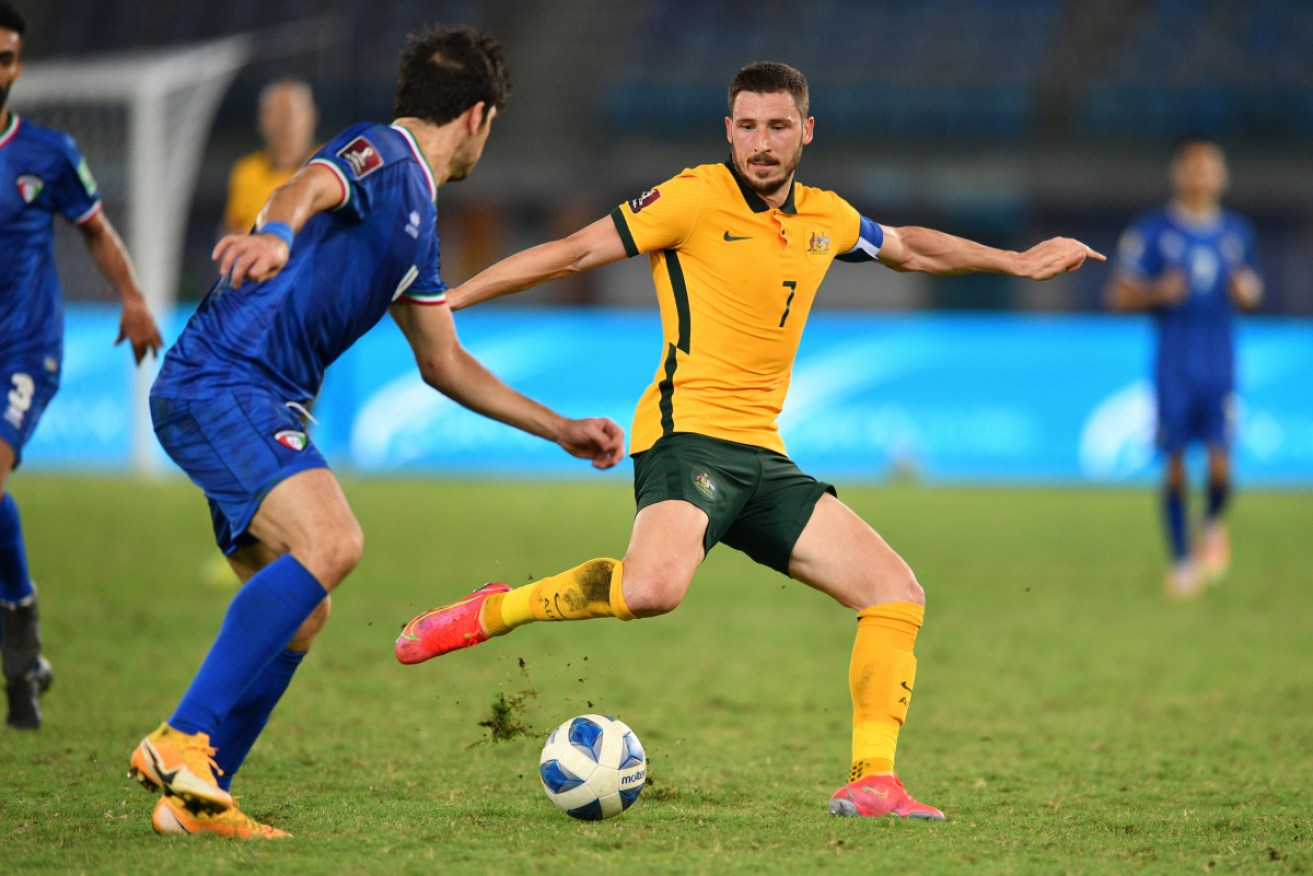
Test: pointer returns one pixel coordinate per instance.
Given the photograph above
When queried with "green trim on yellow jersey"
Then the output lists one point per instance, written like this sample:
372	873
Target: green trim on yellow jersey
631	249
735	280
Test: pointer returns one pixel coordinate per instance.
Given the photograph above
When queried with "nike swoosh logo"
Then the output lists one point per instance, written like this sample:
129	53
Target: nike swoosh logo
166	776
731	237
408	631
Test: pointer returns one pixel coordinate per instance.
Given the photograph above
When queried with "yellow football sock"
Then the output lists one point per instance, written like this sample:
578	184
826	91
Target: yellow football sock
881	677
589	590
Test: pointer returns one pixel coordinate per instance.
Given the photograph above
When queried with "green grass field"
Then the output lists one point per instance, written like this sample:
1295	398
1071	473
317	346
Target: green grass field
1067	718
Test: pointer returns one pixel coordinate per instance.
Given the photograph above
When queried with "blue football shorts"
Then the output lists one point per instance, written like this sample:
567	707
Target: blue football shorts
236	447
27	384
1197	414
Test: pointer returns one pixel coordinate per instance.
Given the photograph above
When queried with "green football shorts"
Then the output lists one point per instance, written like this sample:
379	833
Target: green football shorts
757	501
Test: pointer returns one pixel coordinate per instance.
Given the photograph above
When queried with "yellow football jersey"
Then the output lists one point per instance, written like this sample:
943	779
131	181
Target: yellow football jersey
735	279
250	183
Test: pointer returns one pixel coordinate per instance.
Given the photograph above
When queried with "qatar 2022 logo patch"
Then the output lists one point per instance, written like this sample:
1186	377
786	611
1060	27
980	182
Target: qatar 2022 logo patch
647	199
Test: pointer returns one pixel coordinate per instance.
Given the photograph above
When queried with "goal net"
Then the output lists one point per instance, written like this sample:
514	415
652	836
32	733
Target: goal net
142	119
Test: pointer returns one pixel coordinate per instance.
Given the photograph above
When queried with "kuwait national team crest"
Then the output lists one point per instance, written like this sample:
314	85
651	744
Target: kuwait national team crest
647	199
29	187
292	439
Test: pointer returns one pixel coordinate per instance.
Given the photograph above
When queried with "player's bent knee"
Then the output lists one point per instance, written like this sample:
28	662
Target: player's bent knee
653	596
899	586
333	555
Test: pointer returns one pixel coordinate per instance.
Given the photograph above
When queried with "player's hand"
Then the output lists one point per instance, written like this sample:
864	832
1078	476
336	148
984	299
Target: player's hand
1245	288
254	257
137	327
1058	255
595	438
1170	289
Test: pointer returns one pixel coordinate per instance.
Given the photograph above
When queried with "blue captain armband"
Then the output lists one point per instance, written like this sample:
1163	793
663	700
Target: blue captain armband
870	238
280	230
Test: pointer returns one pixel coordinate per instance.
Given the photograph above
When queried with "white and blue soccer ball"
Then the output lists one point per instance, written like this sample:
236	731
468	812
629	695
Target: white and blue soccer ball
593	767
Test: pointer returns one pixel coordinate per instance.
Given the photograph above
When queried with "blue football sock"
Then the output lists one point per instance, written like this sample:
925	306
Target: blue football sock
1174	507
15	584
238	731
1218	495
263	617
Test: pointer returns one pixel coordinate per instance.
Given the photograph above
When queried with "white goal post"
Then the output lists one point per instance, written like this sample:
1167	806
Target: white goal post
143	120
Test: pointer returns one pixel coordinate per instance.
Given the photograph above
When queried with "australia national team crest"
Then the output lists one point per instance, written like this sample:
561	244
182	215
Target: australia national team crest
29	187
706	486
292	439
818	243
647	199
362	156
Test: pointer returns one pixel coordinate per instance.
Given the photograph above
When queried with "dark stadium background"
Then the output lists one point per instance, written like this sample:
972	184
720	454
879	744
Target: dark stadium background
1006	121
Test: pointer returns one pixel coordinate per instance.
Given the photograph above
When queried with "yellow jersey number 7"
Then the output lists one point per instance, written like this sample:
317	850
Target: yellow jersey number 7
792	286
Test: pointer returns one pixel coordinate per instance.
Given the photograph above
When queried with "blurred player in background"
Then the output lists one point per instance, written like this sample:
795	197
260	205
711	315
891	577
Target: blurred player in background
286	120
738	250
1191	264
351	237
42	174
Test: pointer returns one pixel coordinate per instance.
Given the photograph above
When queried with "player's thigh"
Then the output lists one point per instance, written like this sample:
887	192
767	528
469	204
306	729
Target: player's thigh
1217	419
665	549
241	448
26	387
1175	426
840	554
308	516
6	464
717	477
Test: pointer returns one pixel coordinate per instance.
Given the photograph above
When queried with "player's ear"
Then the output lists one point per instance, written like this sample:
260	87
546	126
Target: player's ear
808	129
474	118
729	129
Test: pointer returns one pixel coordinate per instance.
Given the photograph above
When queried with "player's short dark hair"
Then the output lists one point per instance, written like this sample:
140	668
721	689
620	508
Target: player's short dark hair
1195	138
768	77
447	70
11	18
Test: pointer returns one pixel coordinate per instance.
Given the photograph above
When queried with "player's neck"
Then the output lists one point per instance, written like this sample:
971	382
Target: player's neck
437	142
1197	211
5	118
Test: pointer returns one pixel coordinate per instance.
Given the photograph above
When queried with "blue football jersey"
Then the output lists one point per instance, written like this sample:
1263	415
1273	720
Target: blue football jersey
42	173
1196	336
347	266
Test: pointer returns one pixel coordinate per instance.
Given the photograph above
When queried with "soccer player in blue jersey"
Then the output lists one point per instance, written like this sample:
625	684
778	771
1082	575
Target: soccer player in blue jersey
1191	265
351	237
42	174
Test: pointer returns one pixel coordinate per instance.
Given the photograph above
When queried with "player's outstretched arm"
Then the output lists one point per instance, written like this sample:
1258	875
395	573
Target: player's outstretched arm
449	368
136	325
911	248
260	256
591	246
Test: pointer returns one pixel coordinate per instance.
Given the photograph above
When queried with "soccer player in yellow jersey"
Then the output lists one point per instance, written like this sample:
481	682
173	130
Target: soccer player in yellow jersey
737	251
287	120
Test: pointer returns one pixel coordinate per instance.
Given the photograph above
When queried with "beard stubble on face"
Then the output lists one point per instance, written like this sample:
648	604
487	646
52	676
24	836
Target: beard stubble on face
772	184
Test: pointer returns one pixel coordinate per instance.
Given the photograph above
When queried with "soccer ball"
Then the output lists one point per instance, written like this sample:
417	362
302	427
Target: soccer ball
592	767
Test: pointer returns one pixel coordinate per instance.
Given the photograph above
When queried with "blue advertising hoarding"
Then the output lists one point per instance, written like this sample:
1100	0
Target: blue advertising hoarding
972	398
